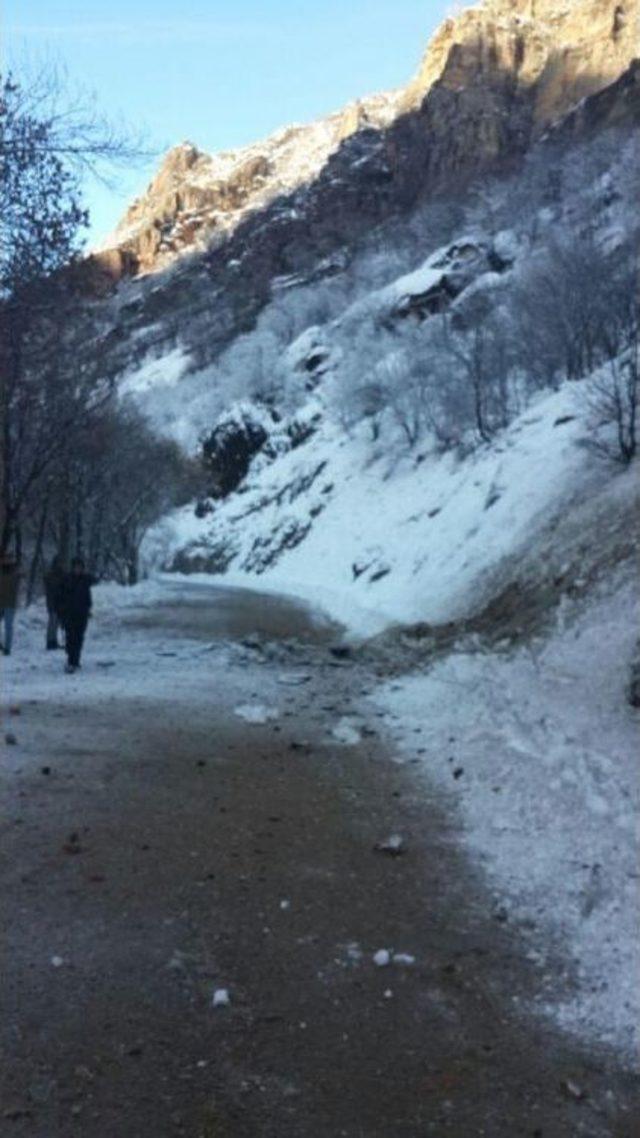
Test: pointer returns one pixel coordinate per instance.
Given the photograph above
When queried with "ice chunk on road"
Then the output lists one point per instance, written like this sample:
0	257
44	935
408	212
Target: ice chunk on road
382	957
346	731
256	713
294	679
393	845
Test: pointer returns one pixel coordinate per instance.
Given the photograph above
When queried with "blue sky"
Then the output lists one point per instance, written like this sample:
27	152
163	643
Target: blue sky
218	73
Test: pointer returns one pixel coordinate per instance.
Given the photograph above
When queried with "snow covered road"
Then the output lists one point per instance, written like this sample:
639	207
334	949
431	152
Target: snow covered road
207	928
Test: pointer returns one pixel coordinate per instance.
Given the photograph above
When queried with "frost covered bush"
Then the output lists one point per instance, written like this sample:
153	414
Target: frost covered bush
613	397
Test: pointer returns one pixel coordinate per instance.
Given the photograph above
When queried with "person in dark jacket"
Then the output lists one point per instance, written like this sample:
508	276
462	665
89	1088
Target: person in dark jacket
9	585
74	607
53	580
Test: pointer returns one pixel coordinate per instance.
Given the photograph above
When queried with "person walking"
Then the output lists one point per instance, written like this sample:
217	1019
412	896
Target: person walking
53	580
9	585
75	610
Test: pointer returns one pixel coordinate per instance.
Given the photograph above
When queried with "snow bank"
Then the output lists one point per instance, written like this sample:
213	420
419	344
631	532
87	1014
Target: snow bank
544	750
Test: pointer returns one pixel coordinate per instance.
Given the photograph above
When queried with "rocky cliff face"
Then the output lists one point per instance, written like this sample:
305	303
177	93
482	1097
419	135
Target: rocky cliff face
555	53
492	78
197	198
201	254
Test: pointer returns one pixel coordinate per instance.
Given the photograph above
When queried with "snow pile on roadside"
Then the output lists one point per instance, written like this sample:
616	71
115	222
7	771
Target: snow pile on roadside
539	748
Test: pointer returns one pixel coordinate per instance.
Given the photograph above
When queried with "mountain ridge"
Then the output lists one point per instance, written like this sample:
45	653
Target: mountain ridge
492	79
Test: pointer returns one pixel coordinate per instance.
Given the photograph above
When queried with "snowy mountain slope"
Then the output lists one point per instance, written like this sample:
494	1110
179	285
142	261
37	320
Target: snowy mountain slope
329	405
430	539
227	235
183	401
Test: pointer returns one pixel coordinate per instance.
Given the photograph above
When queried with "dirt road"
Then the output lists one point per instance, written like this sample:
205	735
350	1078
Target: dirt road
213	831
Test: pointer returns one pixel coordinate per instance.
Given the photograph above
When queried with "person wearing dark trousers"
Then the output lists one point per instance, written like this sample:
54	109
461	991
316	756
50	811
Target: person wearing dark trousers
9	586
53	580
75	610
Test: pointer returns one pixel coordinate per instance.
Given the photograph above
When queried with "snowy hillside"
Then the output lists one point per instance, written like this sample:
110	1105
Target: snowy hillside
441	394
427	538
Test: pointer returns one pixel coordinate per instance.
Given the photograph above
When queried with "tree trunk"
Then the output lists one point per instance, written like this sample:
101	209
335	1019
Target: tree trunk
37	552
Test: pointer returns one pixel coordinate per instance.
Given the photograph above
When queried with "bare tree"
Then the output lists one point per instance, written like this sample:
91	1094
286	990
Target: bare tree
45	144
480	361
116	481
568	306
45	115
613	394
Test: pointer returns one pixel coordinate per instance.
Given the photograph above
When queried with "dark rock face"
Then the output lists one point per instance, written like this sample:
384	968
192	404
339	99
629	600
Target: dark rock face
229	450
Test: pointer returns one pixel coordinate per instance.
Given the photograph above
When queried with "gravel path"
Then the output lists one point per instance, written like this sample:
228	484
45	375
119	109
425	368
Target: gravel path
172	849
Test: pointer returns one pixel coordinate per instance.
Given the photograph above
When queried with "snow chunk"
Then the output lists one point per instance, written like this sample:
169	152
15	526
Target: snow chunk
256	713
382	958
346	733
393	845
403	958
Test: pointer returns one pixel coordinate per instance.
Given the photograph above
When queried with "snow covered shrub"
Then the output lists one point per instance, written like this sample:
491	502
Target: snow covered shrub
613	408
569	308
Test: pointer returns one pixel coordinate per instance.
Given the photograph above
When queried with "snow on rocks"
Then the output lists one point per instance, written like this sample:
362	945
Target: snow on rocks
432	538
